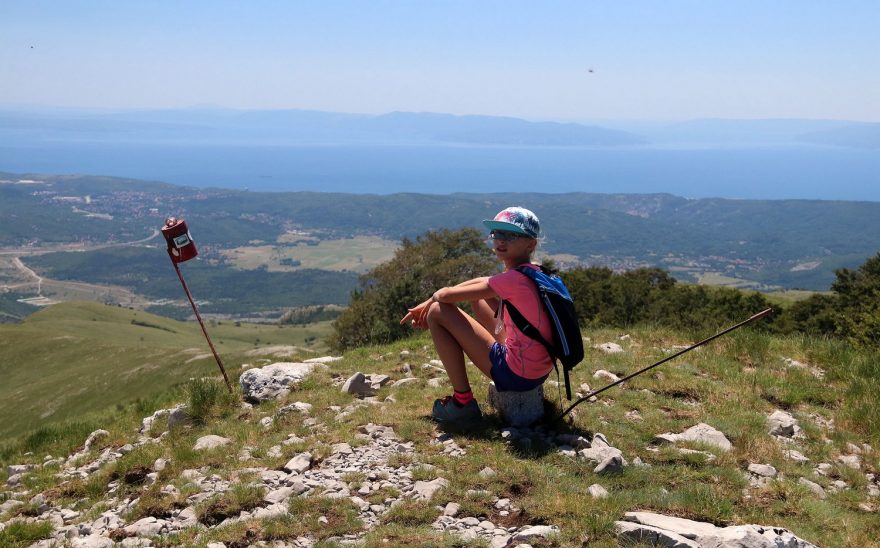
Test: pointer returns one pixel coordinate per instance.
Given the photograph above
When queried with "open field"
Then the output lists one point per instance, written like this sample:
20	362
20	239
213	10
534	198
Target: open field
789	296
77	357
358	254
716	278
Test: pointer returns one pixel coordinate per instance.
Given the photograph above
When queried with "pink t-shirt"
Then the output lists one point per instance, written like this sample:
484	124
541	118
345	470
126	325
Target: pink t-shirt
525	356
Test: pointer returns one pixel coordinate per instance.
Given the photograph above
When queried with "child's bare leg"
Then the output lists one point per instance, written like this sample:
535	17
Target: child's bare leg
456	334
484	310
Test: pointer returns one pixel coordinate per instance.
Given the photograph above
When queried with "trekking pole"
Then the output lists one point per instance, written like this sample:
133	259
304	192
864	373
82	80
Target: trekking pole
757	316
202	324
181	248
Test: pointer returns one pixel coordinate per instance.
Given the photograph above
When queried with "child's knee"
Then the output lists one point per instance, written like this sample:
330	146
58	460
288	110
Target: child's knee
435	311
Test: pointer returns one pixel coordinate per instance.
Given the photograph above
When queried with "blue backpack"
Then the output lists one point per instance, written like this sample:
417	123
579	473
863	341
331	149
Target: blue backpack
567	346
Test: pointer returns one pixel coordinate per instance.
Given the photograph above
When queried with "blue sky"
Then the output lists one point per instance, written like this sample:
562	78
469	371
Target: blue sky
650	60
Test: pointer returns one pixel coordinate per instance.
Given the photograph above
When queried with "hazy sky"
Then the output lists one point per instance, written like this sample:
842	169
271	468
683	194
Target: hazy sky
651	59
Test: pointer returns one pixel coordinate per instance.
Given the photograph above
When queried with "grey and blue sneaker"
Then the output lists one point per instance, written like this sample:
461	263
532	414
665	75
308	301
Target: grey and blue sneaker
448	411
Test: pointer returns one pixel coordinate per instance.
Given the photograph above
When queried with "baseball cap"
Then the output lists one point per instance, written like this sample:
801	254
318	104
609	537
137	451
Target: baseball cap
515	219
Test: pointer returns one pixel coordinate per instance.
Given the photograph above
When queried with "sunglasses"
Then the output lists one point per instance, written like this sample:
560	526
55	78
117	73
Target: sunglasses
504	236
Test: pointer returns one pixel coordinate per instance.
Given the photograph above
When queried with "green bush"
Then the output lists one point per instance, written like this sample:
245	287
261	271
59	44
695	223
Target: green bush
851	312
420	267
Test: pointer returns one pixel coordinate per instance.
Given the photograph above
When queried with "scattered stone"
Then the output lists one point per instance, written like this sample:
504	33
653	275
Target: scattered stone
796	456
633	415
852	461
610	465
273	381
629	532
702	433
10	504
794	364
93	437
487	473
425	490
377	381
535	532
823	469
404	382
783	424
597	491
451	509
607	375
599	440
267	422
813	486
437	382
323	359
14	469
695	533
763	470
299	463
518	408
358	385
603	456
210	442
609	348
278	495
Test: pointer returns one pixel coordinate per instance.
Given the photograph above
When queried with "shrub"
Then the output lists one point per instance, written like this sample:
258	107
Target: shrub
433	260
209	398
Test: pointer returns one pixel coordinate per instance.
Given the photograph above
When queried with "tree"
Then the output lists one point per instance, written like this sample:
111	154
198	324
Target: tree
858	303
418	268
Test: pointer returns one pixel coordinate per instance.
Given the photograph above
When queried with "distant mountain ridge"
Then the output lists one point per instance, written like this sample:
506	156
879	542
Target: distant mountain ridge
216	126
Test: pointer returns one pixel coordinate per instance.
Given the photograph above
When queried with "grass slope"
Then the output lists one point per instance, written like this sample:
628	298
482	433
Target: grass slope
75	358
732	385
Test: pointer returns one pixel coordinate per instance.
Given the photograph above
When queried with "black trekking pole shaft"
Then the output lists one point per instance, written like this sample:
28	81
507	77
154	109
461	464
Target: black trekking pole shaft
757	316
202	324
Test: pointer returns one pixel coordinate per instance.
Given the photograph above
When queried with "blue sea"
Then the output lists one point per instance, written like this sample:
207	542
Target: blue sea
771	172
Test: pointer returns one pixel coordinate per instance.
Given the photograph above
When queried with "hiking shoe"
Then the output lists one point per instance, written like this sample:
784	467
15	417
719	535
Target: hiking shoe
448	411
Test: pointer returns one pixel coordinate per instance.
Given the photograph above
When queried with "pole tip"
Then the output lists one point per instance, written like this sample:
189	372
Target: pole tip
762	314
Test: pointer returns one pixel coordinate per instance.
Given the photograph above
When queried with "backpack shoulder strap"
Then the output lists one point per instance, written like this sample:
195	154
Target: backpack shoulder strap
527	328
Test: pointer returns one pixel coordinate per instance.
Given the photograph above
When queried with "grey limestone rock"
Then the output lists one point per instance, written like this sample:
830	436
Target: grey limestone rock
535	532
210	442
299	463
610	465
608	348
706	534
425	490
273	381
518	408
781	423
814	487
652	536
358	385
702	433
764	470
323	359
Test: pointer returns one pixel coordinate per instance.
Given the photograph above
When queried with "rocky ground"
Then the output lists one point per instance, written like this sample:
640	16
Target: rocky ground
375	475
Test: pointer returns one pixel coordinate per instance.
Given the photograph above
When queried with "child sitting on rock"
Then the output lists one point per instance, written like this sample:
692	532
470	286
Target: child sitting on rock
514	361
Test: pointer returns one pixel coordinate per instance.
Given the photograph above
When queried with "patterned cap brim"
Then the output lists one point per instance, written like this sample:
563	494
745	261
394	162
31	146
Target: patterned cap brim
509	227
